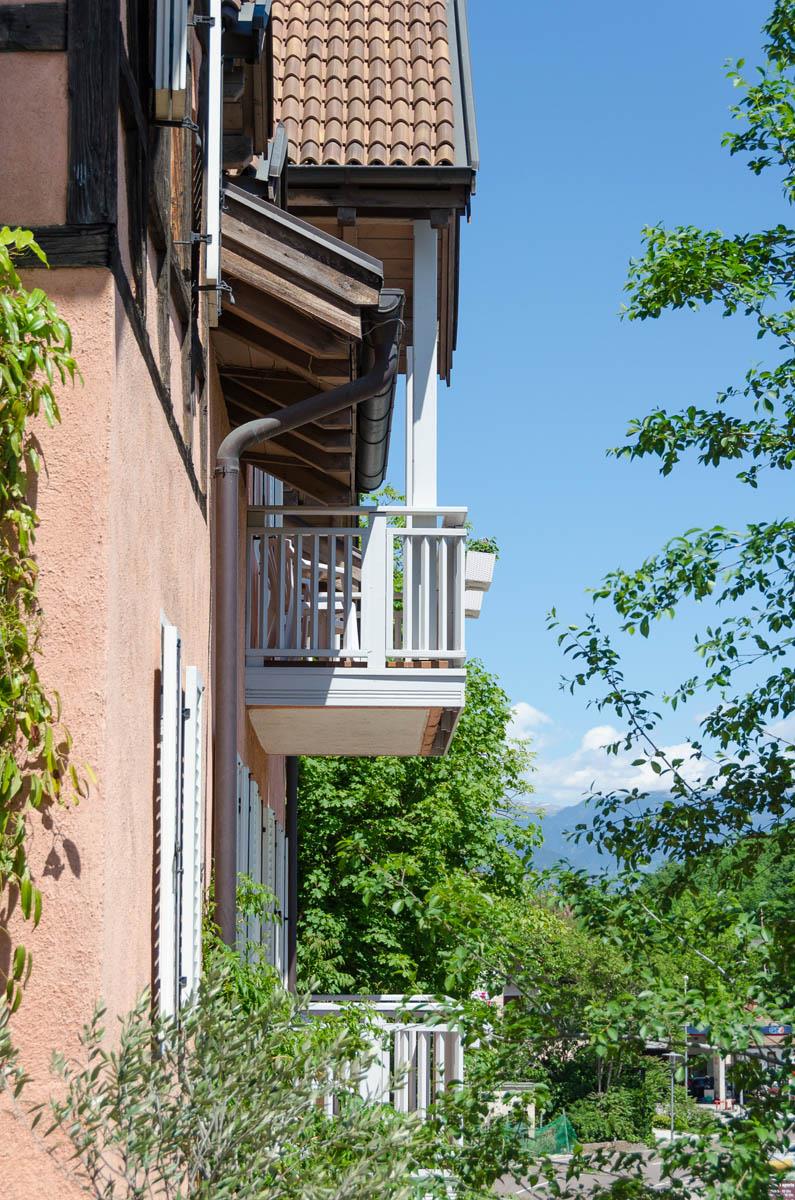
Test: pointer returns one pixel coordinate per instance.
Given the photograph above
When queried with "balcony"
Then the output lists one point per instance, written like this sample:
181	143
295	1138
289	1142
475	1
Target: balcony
416	1052
355	608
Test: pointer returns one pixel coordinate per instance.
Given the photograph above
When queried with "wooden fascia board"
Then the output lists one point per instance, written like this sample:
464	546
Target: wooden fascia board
266	312
269	249
248	206
335	314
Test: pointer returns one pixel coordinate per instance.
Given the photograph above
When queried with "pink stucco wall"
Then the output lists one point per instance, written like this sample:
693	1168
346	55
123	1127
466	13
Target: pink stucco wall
122	540
34	138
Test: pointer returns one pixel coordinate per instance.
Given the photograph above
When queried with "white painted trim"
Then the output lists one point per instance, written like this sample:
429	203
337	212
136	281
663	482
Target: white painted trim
214	165
170	797
192	833
353	687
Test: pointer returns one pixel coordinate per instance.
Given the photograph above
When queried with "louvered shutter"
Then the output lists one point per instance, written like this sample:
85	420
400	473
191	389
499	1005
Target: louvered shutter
192	833
168	899
269	879
255	854
171	60
280	888
243	777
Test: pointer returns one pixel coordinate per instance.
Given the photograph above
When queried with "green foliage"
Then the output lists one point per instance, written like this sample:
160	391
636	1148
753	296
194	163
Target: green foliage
379	838
226	1101
733	788
617	1115
488	545
35	353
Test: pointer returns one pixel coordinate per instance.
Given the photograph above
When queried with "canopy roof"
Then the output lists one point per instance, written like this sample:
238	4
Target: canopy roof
373	82
295	325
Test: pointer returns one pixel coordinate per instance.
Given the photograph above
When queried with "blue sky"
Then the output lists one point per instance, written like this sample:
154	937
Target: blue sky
593	121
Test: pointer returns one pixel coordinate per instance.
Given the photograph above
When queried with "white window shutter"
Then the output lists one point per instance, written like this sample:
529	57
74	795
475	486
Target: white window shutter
192	834
168	904
269	878
171	60
213	162
282	904
278	888
255	854
243	776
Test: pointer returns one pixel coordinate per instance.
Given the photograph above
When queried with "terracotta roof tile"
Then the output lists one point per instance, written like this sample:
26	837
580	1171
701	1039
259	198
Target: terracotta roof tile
364	81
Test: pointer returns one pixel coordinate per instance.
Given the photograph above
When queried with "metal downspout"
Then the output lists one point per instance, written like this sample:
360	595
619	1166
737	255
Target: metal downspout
384	337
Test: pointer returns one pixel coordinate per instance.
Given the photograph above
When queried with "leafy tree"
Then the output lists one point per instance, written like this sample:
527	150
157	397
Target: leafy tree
736	789
374	832
35	351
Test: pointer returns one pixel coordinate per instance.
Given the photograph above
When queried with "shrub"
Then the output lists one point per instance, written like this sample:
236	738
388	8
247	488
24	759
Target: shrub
226	1101
616	1115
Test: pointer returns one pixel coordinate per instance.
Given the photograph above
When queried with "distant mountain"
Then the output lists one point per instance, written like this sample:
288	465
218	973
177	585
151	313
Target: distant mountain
555	824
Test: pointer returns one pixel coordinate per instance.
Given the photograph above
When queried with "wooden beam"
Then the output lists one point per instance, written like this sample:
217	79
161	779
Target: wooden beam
417	203
301	478
72	245
257	404
93	111
312	259
323	373
33	27
284	389
292	443
132	113
281	319
338	314
292	449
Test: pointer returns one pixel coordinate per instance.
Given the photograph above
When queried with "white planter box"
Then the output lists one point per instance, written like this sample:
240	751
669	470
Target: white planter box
473	602
479	569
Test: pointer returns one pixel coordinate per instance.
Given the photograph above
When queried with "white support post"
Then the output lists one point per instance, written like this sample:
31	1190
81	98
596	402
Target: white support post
421	394
374	592
719	1074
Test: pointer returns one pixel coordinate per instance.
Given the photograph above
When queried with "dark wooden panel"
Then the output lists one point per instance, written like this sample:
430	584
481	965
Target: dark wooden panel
72	245
94	92
33	27
308	366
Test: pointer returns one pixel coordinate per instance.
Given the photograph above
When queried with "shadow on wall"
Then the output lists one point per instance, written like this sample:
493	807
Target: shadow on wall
63	855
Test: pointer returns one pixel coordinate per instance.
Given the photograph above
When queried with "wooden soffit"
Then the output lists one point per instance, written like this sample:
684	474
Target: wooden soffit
291	328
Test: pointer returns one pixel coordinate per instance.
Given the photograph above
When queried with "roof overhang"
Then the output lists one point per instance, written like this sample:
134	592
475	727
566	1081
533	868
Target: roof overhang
295	324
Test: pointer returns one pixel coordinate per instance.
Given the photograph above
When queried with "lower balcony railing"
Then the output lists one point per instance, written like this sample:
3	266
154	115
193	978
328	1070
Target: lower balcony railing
375	587
416	1053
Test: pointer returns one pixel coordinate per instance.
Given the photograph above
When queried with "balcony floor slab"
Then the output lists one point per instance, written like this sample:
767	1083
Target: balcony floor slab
318	710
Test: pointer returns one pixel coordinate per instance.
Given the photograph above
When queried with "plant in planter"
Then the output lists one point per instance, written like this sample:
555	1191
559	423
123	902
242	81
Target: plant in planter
482	553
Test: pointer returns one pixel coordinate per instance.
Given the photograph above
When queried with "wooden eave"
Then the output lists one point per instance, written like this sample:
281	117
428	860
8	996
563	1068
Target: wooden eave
373	208
292	327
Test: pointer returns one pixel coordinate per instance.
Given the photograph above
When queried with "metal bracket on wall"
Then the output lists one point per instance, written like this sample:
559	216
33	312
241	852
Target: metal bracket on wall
195	239
216	287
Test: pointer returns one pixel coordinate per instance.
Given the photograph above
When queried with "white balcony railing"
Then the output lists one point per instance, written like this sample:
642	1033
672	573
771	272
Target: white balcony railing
416	1052
378	585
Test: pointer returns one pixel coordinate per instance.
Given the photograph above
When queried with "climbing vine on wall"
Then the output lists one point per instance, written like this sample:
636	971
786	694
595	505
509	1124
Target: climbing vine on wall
35	354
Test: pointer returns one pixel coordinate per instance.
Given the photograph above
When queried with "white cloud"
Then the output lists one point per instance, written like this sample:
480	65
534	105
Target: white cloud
526	720
565	780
